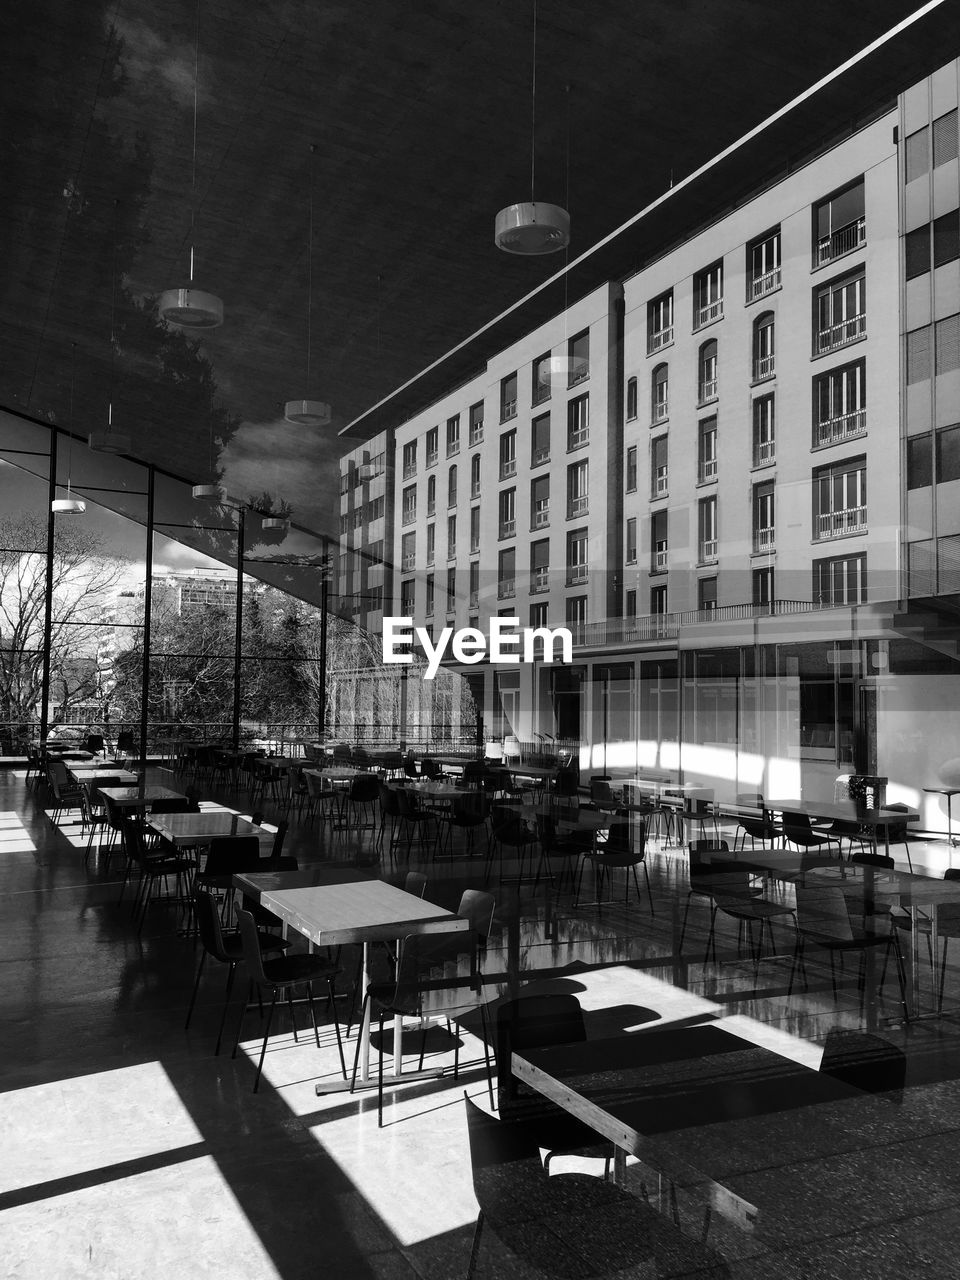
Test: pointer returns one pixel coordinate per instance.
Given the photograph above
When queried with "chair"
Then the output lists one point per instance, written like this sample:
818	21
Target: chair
95	743
436	950
404	997
410	766
601	794
569	1224
707	874
415	882
619	850
533	1022
734	896
510	832
153	867
297	790
865	1061
225	947
389	816
569	847
566	782
413	816
797	829
66	794
468	814
320	798
429	768
757	829
361	800
225	856
279	976
126	743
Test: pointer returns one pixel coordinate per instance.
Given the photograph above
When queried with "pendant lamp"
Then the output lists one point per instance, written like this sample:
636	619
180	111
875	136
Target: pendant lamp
202	491
532	227
275	524
308	413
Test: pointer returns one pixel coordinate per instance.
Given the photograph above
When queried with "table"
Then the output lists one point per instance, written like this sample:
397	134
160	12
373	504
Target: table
949	792
125	776
140	797
921	896
684	1099
875	819
359	911
189	829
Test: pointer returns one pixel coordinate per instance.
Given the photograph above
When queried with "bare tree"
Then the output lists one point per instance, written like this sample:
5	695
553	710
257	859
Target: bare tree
84	582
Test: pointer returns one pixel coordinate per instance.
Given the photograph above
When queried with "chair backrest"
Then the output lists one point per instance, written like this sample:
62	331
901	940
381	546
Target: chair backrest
250	942
513	831
952	873
389	801
532	1022
281	834
429	768
133	842
410	766
475	806
208	924
415	882
125	741
566	782
709	864
477	907
793	821
364	788
508	1174
600	790
732	888
823	912
473	772
174	804
232	853
874	860
95	743
626	840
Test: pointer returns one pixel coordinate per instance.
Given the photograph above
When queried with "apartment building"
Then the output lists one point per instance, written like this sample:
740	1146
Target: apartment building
362	579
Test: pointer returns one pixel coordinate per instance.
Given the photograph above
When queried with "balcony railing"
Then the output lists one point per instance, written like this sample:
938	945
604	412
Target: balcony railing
508	467
708	550
508	409
453	447
659	338
579	506
476	433
845	240
842	427
541	516
708	312
660	557
578	437
508	528
763	539
764	451
540	580
834	524
579	373
660	486
577	573
766	282
764	367
409	514
708	389
409	470
661	411
838	335
664	626
432	458
708	469
540	455
408	562
507	589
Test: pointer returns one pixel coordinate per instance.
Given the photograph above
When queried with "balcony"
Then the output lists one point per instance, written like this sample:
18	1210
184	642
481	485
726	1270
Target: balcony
508	468
764	367
579	506
507	589
541	517
764	451
660	485
476	433
835	524
764	283
659	338
708	550
708	470
848	238
707	390
508	410
540	456
838	335
660	558
577	574
578	437
763	539
842	427
708	313
661	411
540	580
508	528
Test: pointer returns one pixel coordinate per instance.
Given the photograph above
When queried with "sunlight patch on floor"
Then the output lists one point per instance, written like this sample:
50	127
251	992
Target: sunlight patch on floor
13	834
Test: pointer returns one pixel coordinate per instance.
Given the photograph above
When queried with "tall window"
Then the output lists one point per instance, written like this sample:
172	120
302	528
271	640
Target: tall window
540	502
474	530
578	422
541	378
431	543
762	585
578	356
707	449
578	482
840	580
707	595
540	565
707	527
763	265
917	154
453	435
409	504
474	583
945	138
508	397
631	541
920	461
407	596
660	394
577	563
476	423
408	552
840	223
764	536
764	431
507	574
631	398
764	358
507	506
451	590
840	499
538	614
540	440
658	542
630	603
841	312
659	477
475	476
916	247
659	322
840	403
708	295
658	599
431	589
631	469
409	459
508	454
433	446
452	486
707	372
451	537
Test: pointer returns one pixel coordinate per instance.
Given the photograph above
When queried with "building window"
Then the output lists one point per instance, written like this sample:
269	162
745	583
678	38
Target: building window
631	398
576	611
476	423
658	600
707	372
578	422
916	248
764	431
376	508
764	536
632	540
840	580
508	454
840	403
707	595
508	397
920	461
659	322
841	312
708	295
577	563
541	378
945	138
432	446
409	459
840	224
660	394
451	590
431	495
409	505
948	454
946	239
474	530
763	265
947	344
507	508
920	354
474	584
408	552
630	604
375	551
658	542
917	154
451	537
578	496
632	469
453	435
764	354
840	499
762	585
578	357
538	614
475	476
431	543
659	478
452	486
707	449
540	565
540	440
428	607
540	502
507	574
707	529
407	596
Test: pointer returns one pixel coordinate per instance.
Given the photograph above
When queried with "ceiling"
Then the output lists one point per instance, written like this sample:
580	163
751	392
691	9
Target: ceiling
420	116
